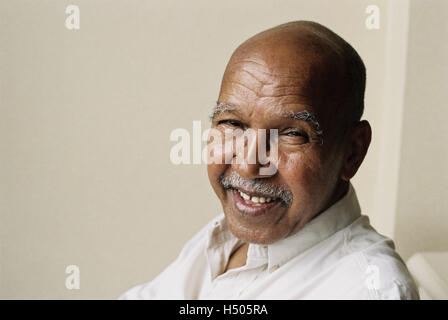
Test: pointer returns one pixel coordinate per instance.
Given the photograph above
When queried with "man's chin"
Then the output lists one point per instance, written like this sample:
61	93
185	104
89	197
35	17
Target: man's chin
265	228
262	236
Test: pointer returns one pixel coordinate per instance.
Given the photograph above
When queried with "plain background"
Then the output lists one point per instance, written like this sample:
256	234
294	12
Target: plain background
86	117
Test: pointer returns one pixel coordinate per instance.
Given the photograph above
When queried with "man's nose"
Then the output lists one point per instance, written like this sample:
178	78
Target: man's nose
248	158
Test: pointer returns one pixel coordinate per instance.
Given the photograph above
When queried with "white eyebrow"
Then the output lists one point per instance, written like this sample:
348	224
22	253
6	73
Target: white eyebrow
309	117
219	108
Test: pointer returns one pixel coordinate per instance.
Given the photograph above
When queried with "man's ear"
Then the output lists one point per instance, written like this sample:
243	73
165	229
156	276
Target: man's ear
358	142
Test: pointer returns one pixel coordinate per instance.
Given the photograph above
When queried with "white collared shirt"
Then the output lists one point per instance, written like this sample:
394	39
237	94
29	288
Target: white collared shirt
337	255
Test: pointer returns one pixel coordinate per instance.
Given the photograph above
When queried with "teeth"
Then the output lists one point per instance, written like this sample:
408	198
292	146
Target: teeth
245	196
255	199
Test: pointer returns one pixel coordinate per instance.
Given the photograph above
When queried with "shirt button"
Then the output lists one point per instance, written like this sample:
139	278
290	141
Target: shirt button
274	268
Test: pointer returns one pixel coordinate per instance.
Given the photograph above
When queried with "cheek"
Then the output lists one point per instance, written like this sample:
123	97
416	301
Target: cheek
301	168
306	175
215	171
216	160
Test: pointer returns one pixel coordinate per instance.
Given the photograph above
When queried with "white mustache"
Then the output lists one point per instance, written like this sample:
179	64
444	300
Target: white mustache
235	181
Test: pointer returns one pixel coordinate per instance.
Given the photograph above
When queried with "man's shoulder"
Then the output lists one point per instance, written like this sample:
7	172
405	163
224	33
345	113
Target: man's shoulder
199	239
377	262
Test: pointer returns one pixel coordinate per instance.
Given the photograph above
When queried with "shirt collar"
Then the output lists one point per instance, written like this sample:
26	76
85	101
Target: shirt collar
221	242
220	245
330	221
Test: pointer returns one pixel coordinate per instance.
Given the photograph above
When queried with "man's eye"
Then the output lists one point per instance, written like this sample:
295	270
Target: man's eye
295	134
230	122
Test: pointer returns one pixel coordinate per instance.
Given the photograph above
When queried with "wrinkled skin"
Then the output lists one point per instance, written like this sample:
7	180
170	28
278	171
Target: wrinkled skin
278	70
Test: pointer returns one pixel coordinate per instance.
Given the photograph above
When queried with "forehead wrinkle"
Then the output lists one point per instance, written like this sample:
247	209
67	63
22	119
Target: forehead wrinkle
283	92
246	63
245	79
253	76
268	72
269	89
266	83
239	84
246	60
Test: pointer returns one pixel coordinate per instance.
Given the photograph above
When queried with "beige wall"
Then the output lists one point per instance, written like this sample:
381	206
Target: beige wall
86	117
422	202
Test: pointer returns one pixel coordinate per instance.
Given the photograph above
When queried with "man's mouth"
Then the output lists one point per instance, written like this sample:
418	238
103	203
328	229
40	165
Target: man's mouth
253	204
255	199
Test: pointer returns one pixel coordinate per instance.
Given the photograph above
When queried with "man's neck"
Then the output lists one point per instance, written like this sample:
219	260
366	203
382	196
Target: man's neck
238	258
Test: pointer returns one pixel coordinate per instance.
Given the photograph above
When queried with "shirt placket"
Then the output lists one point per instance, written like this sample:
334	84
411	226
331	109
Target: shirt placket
233	283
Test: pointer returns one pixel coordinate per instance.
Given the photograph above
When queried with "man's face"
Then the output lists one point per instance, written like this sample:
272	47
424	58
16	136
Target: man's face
261	93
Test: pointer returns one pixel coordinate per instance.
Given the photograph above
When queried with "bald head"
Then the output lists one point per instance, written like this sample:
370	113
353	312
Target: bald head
327	72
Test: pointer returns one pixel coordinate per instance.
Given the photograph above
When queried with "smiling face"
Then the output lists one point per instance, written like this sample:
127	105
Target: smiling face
268	80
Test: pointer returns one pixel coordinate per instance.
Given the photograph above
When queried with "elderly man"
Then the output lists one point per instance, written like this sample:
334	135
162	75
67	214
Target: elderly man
296	233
